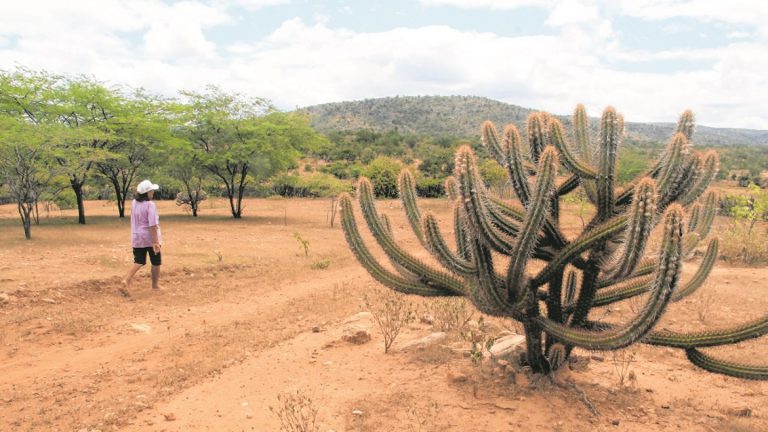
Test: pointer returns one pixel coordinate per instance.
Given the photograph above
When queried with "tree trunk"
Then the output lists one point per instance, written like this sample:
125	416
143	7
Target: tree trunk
77	187
120	198
24	213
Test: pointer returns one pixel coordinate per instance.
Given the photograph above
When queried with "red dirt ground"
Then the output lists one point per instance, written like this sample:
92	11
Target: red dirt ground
232	328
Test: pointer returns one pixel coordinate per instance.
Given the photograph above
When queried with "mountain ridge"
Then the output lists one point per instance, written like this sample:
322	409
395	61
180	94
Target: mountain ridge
461	116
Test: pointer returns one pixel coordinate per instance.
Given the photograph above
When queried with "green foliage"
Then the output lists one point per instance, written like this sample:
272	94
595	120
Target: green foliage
383	172
493	174
303	244
315	185
430	187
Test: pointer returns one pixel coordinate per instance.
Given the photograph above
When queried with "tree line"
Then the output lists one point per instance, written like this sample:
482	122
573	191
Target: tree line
58	133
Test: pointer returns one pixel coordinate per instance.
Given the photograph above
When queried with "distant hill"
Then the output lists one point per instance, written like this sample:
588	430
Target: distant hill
461	116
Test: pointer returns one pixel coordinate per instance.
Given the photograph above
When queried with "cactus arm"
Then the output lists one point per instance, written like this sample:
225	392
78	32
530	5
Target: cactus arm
526	240
646	267
707	215
440	250
642	284
701	274
570	289
576	247
704	179
536	126
490	139
568	185
488	293
407	191
451	188
709	338
738	370
514	163
571	162
686	124
669	172
610	129
428	274
370	263
693	218
400	269
666	280
638	230
474	205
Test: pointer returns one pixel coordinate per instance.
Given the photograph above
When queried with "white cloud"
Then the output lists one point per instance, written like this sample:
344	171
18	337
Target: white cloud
257	4
492	4
164	47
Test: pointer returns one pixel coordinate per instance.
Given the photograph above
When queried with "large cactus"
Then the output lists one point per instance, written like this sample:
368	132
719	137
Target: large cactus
496	241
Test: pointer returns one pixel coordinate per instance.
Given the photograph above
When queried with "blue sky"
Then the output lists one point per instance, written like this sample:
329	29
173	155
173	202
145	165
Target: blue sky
649	58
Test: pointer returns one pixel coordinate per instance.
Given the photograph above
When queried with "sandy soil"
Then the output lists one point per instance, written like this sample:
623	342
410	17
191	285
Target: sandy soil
245	316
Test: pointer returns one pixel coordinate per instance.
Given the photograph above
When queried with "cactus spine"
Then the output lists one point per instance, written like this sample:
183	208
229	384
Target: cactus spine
605	264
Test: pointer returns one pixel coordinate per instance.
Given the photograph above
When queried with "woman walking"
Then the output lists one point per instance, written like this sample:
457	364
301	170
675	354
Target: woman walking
145	235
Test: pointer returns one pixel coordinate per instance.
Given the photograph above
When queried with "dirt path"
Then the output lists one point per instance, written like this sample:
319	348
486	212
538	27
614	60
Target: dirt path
232	329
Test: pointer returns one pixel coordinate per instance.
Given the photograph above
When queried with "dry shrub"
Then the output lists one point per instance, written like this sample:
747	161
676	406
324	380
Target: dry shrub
296	411
622	360
391	311
744	244
451	314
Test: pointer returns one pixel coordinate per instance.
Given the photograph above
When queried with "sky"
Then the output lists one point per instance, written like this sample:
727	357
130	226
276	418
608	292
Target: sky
651	59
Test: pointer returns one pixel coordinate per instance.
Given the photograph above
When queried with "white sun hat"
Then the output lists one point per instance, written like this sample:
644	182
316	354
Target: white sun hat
146	186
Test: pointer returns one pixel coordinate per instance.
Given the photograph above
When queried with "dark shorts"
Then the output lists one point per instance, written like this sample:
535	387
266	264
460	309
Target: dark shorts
140	256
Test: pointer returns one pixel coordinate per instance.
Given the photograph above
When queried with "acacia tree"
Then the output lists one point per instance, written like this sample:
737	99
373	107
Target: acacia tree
141	126
243	140
25	166
81	107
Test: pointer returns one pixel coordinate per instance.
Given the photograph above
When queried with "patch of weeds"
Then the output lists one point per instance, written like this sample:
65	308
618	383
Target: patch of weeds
391	311
622	361
303	244
706	300
296	411
477	334
320	264
451	313
423	418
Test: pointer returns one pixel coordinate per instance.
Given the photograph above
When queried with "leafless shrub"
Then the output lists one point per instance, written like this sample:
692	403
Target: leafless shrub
391	311
451	313
296	411
622	361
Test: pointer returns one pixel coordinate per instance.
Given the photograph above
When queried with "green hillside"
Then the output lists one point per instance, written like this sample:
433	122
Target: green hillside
441	116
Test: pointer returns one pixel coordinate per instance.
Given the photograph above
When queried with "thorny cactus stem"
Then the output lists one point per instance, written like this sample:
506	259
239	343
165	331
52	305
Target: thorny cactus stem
606	263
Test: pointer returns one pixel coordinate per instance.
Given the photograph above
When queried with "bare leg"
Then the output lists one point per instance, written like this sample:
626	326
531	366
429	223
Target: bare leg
155	277
126	282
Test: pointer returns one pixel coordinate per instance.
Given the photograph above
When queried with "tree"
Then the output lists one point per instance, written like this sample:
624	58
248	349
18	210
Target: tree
244	140
140	126
82	108
25	166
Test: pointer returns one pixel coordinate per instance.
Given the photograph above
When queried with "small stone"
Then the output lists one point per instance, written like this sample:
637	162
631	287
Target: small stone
666	406
142	328
506	345
49	300
357	412
615	422
249	416
315	329
169	416
357	335
596	357
424	342
457	377
744	412
4	298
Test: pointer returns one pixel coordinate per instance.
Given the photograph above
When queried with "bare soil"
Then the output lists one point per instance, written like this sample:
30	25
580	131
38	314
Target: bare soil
232	328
